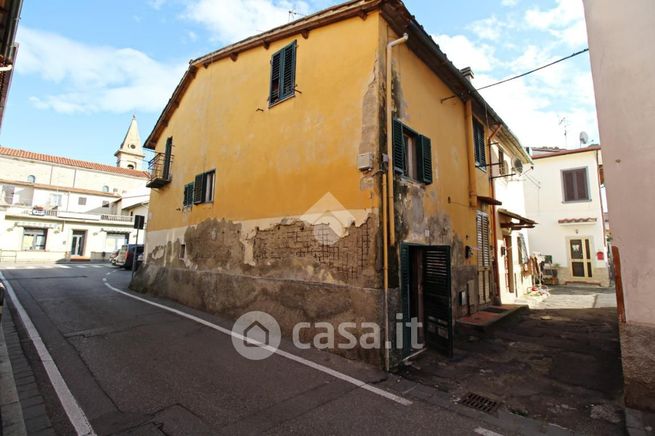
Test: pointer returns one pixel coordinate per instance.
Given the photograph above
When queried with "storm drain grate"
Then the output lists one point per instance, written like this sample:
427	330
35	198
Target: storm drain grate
478	402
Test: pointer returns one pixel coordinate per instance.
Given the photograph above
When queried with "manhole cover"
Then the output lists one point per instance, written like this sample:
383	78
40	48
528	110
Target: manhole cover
478	402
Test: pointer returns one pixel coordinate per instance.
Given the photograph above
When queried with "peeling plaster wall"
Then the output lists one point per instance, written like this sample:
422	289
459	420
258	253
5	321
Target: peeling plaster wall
439	213
294	229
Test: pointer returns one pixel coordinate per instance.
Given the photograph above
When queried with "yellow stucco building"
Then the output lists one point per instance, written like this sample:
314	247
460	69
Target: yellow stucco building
271	180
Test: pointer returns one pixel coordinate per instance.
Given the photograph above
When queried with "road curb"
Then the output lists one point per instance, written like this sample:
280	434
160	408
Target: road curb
11	410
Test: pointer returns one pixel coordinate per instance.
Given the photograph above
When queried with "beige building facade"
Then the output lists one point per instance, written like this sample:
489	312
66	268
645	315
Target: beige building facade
623	62
54	208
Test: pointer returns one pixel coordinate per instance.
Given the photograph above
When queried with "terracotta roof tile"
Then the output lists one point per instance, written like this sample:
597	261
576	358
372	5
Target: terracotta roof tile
23	154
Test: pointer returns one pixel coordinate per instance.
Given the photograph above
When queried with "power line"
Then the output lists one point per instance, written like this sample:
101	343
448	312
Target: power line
535	70
526	73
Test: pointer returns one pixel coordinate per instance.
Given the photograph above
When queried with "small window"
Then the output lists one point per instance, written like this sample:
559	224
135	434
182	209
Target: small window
188	195
105	188
55	200
480	151
502	165
8	193
575	185
283	74
412	153
81	201
130	166
34	239
31	179
482	231
183	251
203	187
105	204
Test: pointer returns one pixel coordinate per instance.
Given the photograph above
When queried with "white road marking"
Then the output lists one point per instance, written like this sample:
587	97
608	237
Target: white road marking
485	432
30	267
309	363
79	266
75	413
63	266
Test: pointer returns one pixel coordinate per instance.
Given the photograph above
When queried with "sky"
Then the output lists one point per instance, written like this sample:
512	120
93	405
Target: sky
85	67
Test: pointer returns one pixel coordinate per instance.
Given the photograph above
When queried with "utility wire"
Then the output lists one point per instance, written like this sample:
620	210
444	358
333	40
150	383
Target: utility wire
535	70
526	73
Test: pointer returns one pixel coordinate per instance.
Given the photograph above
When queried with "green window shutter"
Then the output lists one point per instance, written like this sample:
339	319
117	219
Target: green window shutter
197	189
276	77
166	172
404	296
478	138
188	194
398	141
425	160
289	70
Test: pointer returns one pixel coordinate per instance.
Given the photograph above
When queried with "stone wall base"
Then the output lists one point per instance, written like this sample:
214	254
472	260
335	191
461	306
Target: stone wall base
288	301
638	355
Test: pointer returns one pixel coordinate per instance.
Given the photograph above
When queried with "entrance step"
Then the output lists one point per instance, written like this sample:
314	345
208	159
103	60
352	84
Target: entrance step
486	319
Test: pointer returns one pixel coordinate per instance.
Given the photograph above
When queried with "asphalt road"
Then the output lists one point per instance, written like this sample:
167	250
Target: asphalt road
138	369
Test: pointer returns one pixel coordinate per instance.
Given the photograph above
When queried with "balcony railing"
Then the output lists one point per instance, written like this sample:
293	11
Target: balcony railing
160	170
54	213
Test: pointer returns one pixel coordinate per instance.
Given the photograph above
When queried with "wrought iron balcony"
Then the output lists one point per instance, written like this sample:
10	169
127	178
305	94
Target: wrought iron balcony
160	170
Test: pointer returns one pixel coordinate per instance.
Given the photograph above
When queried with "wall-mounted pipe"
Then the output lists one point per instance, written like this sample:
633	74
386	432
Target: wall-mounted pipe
389	229
470	148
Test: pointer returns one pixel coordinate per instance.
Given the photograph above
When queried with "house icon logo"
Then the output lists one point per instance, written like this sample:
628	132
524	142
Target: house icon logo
329	218
256	335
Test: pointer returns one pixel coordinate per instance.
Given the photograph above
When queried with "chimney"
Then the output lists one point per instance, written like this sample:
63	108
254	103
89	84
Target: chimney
468	73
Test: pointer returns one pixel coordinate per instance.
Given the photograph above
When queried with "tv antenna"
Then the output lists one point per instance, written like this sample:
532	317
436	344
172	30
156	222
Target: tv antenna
584	139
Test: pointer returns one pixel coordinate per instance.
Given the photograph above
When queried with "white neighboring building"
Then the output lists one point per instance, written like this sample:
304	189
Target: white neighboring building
54	208
515	275
565	199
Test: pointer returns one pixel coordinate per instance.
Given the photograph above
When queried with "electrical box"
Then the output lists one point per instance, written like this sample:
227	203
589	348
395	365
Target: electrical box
365	161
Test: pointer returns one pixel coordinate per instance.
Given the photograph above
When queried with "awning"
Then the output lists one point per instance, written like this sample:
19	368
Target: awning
523	223
489	200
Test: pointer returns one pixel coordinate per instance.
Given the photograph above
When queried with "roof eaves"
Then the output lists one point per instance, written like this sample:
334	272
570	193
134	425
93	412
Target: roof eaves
322	18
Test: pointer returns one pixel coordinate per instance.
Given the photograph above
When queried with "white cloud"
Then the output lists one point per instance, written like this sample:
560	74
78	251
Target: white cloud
509	2
464	53
95	78
156	4
232	20
487	28
565	21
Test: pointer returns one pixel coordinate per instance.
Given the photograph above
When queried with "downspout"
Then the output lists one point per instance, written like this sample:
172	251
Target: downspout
470	146
495	219
388	215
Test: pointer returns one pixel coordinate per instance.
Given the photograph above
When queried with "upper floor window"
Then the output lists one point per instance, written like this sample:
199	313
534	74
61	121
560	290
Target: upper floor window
283	74
81	201
105	188
479	142
55	200
31	179
412	153
201	190
575	185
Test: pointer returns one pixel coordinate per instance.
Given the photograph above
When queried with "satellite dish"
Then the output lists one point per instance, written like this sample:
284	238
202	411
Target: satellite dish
584	138
518	166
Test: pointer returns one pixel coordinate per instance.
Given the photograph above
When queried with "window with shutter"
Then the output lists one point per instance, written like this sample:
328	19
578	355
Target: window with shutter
283	74
574	185
188	194
398	147
478	138
412	153
168	152
425	160
197	189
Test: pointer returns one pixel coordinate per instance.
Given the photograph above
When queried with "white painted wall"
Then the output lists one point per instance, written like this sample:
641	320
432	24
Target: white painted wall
544	200
623	61
510	191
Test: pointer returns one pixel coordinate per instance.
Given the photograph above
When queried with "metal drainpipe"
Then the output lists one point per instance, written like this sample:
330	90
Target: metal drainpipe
495	220
470	148
389	232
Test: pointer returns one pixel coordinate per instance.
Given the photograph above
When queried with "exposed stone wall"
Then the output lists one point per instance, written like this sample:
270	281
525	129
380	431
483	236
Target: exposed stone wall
638	355
301	273
600	276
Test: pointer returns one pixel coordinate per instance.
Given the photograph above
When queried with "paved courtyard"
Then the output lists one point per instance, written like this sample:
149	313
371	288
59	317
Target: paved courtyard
559	363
